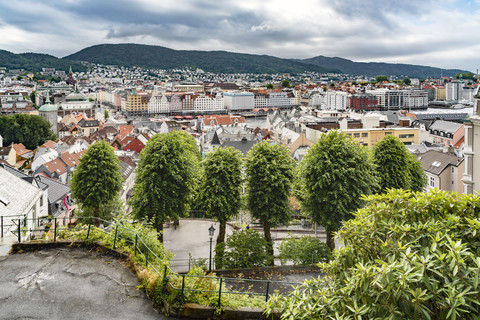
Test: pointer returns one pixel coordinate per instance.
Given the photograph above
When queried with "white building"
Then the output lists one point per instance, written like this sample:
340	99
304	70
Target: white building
453	90
260	100
471	150
207	103
278	100
336	100
20	199
238	100
317	99
158	104
415	99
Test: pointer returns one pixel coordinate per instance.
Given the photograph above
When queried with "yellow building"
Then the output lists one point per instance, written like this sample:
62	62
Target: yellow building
369	137
137	102
440	94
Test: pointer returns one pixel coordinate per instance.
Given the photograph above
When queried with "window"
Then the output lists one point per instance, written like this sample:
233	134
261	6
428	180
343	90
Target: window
387	133
432	182
356	135
41	201
364	134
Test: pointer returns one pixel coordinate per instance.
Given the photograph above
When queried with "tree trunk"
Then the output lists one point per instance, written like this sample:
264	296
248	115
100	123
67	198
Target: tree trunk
268	237
96	216
160	232
330	239
221	231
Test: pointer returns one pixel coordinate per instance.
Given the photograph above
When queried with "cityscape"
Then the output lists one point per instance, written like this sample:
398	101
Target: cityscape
234	181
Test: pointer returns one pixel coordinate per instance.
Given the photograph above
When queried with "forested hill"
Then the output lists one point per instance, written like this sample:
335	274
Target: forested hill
379	68
34	62
213	61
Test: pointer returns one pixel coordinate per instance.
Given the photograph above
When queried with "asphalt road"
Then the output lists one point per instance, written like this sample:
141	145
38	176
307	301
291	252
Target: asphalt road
70	284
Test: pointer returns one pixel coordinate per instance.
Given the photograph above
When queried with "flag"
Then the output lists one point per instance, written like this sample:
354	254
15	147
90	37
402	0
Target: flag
65	204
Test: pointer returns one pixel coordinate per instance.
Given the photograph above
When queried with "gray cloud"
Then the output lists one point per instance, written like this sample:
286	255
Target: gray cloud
360	30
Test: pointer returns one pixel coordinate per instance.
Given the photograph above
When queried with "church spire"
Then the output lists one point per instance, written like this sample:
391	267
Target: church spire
47	100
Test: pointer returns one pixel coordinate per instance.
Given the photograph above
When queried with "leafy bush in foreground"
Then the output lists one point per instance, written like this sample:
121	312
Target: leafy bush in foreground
304	251
406	256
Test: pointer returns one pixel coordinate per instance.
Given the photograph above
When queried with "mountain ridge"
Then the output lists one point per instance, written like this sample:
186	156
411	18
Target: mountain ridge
34	62
214	61
381	68
218	61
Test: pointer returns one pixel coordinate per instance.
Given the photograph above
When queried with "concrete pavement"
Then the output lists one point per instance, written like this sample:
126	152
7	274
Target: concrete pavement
70	284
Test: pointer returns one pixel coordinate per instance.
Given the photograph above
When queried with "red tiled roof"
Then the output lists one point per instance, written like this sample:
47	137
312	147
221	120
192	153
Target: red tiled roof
49	144
56	165
20	149
124	131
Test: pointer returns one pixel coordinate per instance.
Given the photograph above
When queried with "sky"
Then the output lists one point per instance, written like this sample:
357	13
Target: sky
440	33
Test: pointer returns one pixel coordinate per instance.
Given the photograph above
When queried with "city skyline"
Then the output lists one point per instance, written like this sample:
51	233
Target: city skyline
434	33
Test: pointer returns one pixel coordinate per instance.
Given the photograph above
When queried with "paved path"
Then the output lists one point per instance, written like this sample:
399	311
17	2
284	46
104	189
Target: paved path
70	284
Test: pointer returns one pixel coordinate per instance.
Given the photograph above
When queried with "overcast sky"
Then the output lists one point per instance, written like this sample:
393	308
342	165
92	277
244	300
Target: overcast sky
440	33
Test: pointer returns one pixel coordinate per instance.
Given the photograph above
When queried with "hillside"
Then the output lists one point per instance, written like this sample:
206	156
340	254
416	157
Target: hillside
213	61
34	62
379	68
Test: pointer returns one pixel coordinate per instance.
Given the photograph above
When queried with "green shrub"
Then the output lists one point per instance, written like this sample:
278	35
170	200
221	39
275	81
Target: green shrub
406	256
246	249
305	250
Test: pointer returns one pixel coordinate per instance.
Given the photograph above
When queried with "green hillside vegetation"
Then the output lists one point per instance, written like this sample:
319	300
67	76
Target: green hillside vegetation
34	62
213	61
372	69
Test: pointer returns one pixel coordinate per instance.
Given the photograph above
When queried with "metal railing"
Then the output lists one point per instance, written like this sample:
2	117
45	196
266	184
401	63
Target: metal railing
223	285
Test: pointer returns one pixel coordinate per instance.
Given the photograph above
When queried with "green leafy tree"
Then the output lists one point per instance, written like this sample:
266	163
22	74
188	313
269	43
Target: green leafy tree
32	96
246	249
269	171
106	210
221	186
166	177
381	78
418	178
334	174
105	113
303	251
406	256
286	83
269	86
396	167
97	180
407	81
31	130
465	75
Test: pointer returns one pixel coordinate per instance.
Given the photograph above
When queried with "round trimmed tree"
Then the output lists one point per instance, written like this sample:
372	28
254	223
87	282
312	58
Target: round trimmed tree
334	174
166	177
97	180
396	167
269	171
221	186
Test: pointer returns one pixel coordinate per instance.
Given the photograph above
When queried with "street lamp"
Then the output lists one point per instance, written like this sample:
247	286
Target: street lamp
211	231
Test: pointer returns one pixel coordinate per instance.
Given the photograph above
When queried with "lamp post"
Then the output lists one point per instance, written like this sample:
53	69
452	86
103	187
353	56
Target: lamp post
211	231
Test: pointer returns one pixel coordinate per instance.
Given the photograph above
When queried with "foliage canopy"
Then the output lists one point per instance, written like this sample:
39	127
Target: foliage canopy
396	167
245	249
269	171
166	176
333	175
97	181
31	130
406	256
221	186
305	250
